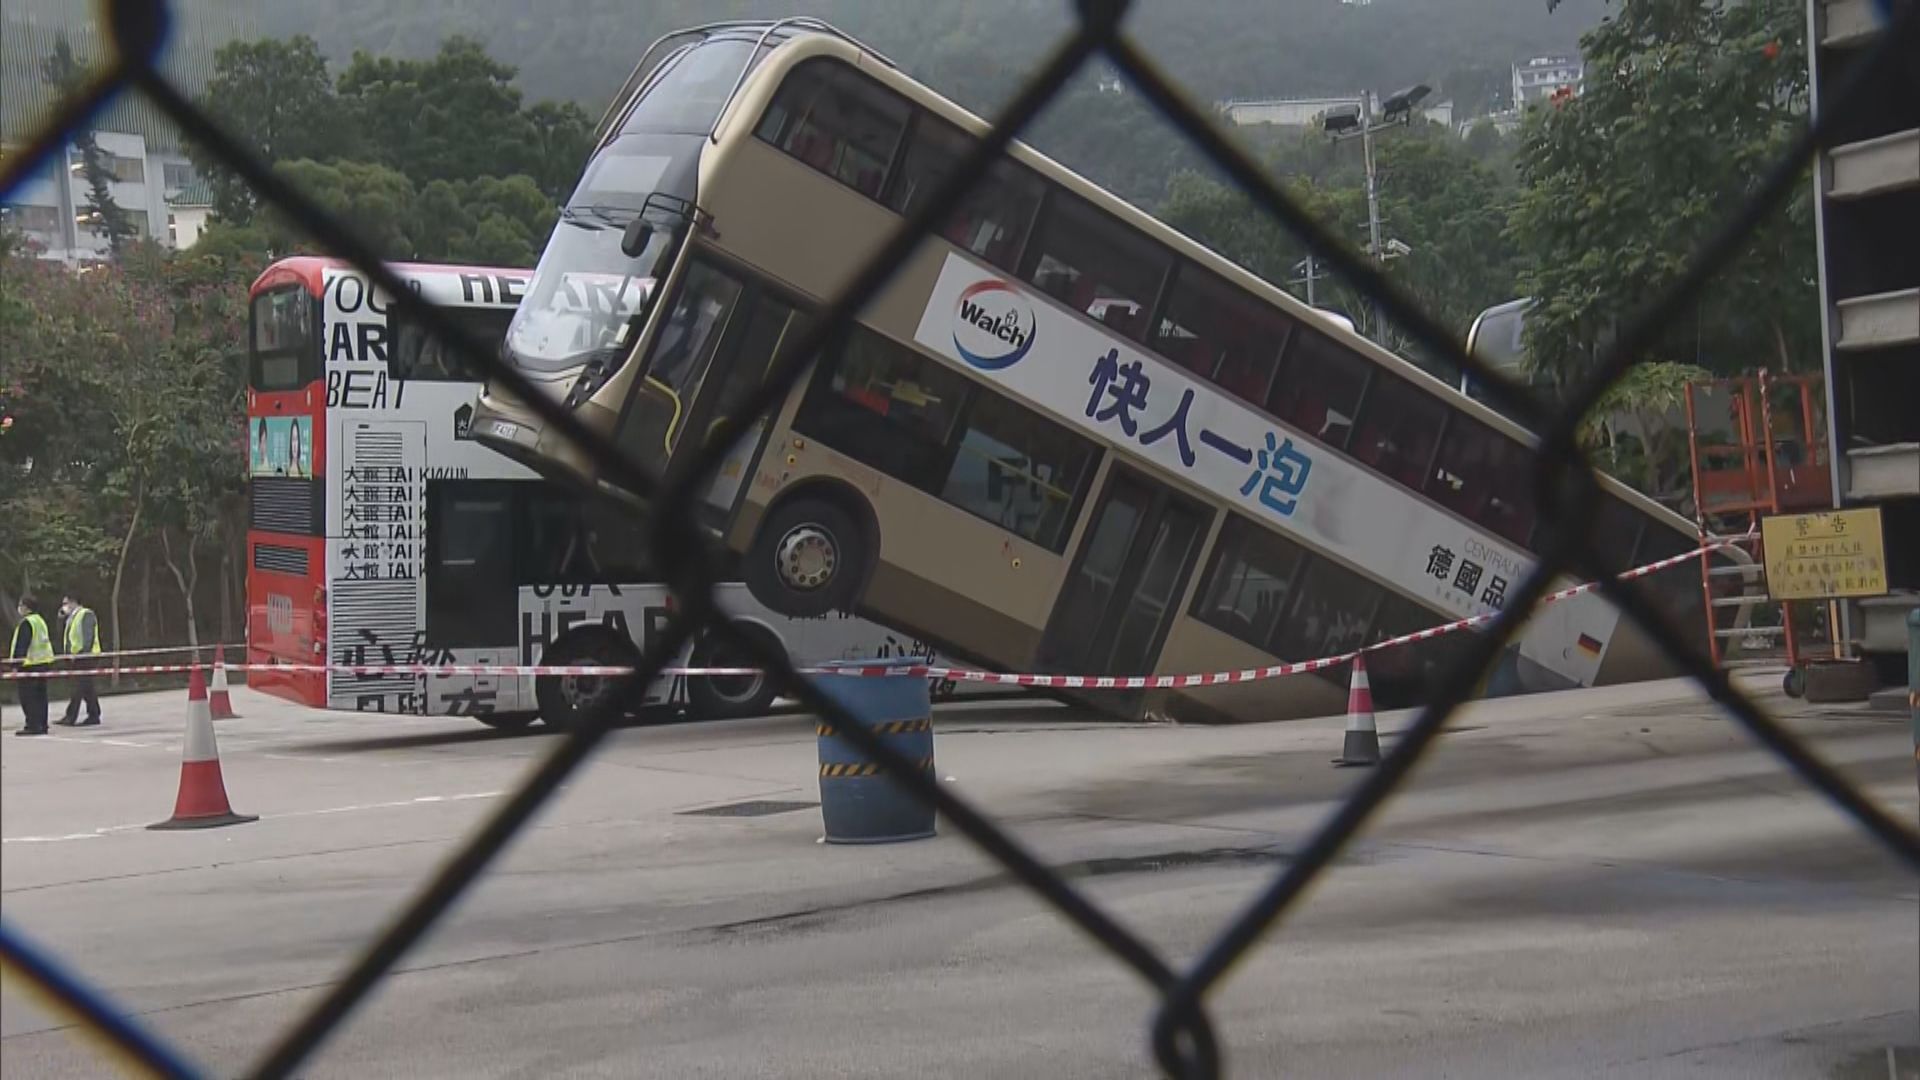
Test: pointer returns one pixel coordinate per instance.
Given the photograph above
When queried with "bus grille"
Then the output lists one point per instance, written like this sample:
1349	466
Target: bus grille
280	560
284	505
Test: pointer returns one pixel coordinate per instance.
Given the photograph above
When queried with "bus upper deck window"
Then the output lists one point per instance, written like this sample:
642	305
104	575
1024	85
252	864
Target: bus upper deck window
1399	425
1096	265
1319	386
1485	477
1219	332
837	122
993	218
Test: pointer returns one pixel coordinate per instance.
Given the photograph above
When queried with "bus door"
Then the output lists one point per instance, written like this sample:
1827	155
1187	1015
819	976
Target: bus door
1126	580
716	346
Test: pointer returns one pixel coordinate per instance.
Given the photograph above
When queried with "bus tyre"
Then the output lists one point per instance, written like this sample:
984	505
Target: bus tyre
727	697
565	700
507	721
806	559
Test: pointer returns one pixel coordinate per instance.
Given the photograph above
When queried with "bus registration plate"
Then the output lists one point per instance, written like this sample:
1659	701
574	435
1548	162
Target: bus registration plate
505	429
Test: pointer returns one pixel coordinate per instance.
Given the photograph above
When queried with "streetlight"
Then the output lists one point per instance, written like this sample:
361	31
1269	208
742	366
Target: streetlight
1343	122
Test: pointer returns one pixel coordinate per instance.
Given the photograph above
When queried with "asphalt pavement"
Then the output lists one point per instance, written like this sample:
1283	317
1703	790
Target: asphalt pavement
1602	883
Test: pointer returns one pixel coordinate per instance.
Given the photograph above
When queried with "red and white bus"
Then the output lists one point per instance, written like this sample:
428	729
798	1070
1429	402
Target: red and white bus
380	533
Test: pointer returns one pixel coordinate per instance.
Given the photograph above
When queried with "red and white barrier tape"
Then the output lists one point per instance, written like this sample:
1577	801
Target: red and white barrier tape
158	650
919	671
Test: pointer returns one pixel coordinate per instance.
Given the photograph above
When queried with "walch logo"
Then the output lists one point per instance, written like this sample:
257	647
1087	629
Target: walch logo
993	327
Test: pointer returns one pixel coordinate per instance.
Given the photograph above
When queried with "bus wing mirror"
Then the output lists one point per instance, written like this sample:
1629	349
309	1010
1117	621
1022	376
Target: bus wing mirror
634	240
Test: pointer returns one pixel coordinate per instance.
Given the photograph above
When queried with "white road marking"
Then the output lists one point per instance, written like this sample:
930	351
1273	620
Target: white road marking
421	800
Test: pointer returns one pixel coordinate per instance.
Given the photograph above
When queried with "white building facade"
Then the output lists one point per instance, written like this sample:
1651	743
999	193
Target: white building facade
1539	78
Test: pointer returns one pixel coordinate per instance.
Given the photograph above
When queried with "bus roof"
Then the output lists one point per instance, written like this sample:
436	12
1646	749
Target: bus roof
310	271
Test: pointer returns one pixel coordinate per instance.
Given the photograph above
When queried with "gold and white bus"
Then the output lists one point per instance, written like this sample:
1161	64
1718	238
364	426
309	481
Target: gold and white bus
1064	438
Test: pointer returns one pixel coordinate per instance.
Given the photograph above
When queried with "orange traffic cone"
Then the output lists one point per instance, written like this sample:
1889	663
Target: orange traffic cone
202	803
1363	740
220	702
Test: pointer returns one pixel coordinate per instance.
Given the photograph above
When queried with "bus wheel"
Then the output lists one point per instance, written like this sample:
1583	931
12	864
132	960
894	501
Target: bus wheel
805	560
727	697
507	721
565	700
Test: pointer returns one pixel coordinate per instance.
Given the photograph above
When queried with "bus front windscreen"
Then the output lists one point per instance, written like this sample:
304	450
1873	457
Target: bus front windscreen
589	297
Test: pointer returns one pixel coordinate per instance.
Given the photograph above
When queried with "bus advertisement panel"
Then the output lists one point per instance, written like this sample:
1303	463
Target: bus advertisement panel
1104	385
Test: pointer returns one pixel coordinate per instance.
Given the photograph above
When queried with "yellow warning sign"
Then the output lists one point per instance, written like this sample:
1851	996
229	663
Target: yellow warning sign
1821	556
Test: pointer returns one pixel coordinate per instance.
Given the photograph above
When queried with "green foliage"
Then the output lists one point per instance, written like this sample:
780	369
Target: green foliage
1434	197
430	159
277	99
458	117
373	200
1685	103
1637	430
124	384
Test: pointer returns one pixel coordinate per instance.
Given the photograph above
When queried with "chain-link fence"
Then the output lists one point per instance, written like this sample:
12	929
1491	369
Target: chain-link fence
1182	1034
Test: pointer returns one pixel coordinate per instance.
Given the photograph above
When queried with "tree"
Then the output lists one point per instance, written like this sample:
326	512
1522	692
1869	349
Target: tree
1434	197
454	117
562	136
1685	103
277	99
125	384
104	216
490	221
375	201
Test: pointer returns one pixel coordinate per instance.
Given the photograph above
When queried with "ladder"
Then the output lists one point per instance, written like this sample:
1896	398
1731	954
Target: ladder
1769	458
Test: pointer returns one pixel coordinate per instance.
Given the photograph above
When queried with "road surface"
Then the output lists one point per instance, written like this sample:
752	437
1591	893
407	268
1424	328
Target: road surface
1603	883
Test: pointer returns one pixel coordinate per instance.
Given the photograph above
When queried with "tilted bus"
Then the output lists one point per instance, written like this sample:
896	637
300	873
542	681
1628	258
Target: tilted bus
381	534
1208	476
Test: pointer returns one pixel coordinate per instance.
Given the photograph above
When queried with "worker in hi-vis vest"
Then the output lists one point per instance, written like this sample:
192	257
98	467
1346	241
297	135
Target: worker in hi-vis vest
82	638
33	653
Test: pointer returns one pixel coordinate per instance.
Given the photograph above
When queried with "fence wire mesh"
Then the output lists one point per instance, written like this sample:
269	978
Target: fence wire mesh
1183	1040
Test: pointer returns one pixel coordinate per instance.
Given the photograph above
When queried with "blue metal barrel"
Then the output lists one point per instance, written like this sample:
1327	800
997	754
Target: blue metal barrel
860	802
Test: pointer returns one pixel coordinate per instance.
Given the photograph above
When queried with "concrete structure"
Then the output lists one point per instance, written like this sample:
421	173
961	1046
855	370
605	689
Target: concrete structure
156	189
153	181
1867	223
1306	111
1537	79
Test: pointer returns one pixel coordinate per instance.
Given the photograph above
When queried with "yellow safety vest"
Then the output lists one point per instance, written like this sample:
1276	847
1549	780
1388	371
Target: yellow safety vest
39	644
74	648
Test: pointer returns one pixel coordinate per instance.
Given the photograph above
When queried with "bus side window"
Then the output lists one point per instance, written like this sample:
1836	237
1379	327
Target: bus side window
837	122
1096	265
1018	470
1319	386
1249	584
885	406
1399	425
1333	609
1219	332
993	218
418	355
1486	478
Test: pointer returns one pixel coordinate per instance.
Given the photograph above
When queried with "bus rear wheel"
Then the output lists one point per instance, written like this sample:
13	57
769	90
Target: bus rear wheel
728	697
806	559
566	700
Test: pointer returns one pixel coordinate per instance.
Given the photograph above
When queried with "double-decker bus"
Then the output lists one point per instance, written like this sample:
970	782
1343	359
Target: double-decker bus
382	534
1065	437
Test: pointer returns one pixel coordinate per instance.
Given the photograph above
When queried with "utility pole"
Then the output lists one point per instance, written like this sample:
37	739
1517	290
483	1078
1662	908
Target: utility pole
1309	269
1356	121
1373	188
